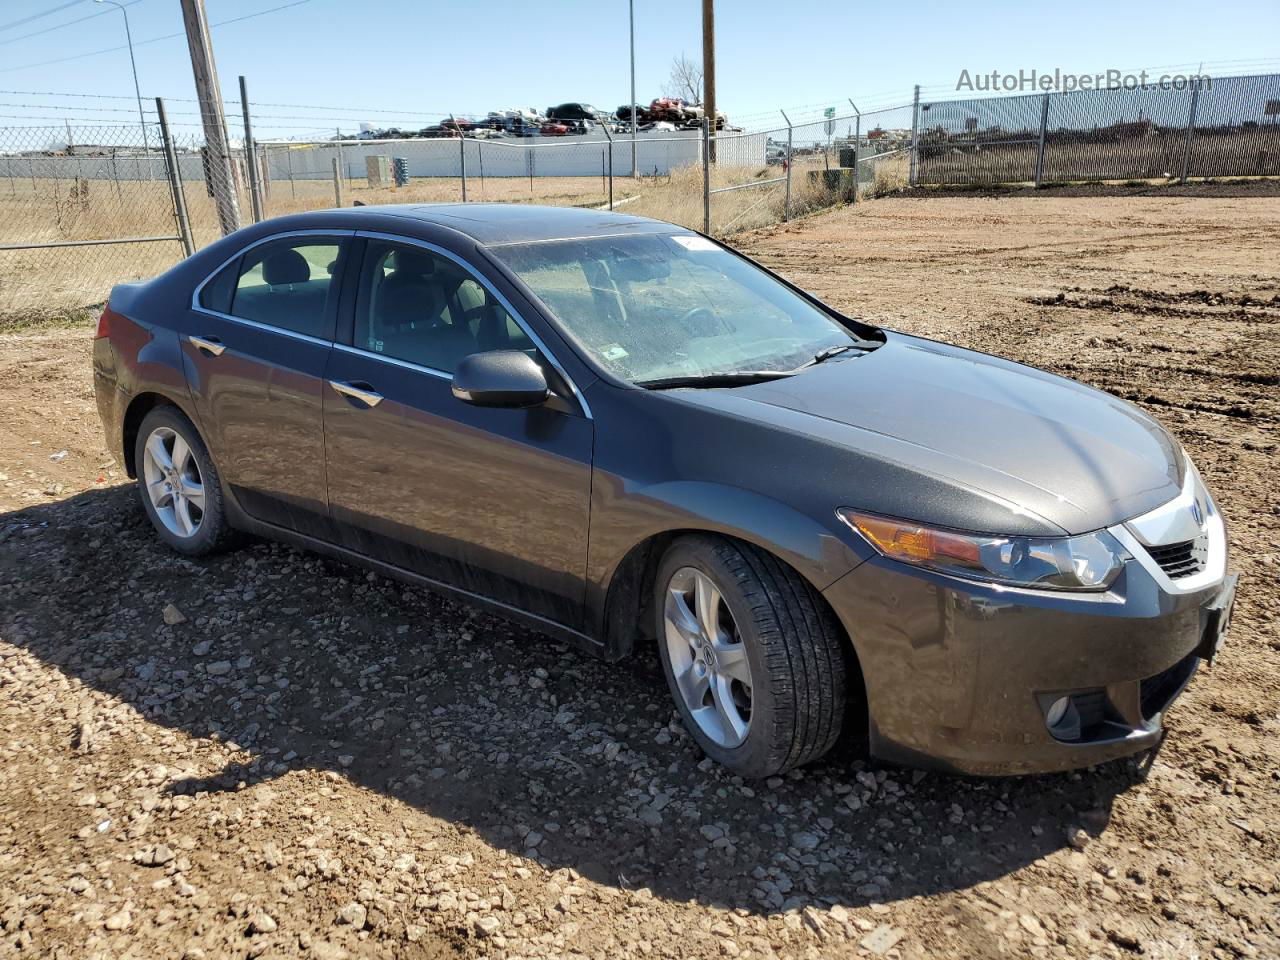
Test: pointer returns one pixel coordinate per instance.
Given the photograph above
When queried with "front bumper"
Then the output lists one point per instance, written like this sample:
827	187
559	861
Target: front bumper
959	675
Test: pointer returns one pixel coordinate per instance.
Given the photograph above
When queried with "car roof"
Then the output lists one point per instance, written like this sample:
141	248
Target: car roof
491	224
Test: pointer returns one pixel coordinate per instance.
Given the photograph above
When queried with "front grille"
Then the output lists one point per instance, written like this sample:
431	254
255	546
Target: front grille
1179	559
1158	692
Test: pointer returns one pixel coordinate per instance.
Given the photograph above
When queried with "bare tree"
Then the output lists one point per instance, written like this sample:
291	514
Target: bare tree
685	81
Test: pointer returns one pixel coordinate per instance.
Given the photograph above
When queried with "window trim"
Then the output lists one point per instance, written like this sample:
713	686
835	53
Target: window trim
493	290
342	236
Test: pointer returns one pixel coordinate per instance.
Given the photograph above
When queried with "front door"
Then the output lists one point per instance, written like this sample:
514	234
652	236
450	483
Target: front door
256	345
493	501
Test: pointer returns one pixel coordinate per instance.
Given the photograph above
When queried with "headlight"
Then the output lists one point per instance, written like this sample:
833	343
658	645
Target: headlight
1091	561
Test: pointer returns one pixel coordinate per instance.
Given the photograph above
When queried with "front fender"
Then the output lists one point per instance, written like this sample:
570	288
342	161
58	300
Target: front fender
625	518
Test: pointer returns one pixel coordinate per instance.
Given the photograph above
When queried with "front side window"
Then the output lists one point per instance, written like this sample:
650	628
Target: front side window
287	284
653	306
421	307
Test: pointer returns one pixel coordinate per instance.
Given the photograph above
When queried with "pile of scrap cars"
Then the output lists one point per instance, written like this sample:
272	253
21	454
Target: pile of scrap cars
566	119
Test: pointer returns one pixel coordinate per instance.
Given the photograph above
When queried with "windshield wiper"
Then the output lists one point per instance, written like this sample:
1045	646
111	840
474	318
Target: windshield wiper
829	352
740	378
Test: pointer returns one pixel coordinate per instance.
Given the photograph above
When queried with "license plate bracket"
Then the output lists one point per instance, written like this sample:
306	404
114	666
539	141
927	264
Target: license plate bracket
1218	621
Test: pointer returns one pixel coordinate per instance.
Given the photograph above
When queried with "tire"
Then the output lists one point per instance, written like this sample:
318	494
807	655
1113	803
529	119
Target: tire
205	517
790	642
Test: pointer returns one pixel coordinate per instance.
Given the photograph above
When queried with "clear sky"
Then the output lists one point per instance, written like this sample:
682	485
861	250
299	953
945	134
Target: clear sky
418	59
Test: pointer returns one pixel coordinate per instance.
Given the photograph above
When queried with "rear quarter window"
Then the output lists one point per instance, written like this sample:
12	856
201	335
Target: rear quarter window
216	294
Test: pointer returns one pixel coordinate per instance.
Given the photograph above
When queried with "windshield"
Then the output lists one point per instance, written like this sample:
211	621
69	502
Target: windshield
654	307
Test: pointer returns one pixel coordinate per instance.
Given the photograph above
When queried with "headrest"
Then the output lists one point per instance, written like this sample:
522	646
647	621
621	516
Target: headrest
414	262
286	266
411	301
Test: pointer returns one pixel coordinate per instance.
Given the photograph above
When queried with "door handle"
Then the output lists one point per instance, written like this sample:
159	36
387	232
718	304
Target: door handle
209	344
367	397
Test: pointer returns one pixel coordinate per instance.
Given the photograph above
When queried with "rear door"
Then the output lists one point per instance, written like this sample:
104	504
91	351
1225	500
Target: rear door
493	501
257	339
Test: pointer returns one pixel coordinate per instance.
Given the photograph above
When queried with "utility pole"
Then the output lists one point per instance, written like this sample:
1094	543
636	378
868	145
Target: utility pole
709	72
217	148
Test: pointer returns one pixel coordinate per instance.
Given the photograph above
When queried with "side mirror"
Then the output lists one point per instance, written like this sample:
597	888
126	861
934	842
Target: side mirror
500	378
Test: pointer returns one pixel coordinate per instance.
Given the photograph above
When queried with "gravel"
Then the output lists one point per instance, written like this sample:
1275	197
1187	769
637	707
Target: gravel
321	763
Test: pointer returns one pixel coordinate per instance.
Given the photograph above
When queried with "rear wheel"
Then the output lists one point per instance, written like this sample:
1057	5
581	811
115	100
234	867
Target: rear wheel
752	655
179	485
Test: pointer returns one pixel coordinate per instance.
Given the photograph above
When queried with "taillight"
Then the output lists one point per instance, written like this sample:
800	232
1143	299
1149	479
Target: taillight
104	323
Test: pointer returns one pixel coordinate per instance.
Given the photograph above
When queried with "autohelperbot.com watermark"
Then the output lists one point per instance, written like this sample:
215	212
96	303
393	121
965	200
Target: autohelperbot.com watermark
1060	81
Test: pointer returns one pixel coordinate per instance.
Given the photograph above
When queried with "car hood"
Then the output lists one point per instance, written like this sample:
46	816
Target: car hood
1051	451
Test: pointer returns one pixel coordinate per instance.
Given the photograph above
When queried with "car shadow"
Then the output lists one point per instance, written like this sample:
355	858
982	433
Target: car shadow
542	751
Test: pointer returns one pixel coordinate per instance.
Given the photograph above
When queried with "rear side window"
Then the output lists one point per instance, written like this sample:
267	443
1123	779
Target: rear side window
287	284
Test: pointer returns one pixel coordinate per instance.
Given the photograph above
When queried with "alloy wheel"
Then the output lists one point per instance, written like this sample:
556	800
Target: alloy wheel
708	658
171	477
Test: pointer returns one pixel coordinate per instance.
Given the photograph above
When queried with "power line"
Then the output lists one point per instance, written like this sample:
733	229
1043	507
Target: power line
37	16
168	36
69	23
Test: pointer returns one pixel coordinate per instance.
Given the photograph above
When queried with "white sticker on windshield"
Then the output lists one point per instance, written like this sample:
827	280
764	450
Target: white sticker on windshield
691	242
614	351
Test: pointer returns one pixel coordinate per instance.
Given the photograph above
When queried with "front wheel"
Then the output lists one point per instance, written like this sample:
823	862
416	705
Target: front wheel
752	655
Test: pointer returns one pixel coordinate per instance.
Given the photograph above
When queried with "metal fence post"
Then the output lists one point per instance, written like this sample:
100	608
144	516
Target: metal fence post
175	181
462	155
250	156
706	177
786	202
608	136
1191	124
857	141
1044	126
337	182
915	136
342	166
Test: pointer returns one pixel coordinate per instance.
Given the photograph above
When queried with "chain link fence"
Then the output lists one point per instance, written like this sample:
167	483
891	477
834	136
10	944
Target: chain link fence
1210	127
83	208
722	182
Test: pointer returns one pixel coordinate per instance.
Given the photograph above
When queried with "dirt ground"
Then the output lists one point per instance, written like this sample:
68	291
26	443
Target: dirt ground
268	754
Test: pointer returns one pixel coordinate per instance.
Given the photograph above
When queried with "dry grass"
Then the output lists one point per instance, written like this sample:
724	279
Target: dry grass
891	174
678	197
